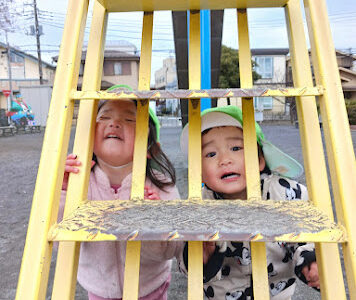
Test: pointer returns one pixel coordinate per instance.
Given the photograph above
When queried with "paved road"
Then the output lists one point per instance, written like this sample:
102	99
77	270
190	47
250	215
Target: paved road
19	158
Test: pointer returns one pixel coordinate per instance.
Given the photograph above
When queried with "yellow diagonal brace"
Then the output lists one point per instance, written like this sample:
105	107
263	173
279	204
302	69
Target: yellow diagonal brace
140	153
132	265
194	157
68	253
258	249
195	249
36	261
328	259
336	130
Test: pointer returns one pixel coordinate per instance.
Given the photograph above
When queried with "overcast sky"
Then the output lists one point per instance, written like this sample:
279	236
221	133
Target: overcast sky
266	26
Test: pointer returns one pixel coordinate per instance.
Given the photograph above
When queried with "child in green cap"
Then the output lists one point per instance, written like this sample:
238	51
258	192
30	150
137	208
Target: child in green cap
227	265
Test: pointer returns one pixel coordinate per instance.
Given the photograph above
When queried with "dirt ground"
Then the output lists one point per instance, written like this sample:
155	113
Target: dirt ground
19	158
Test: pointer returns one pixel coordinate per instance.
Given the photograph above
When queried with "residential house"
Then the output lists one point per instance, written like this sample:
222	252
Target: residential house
121	66
270	64
346	65
24	72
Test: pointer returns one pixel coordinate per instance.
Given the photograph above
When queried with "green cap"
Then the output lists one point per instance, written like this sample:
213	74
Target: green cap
276	160
123	87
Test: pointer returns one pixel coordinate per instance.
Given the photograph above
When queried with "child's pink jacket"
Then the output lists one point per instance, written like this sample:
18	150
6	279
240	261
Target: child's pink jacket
101	264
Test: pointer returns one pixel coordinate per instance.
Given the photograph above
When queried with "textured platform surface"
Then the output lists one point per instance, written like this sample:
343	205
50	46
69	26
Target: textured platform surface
238	220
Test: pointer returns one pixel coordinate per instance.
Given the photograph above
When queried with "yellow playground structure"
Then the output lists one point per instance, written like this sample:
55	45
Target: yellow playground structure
84	221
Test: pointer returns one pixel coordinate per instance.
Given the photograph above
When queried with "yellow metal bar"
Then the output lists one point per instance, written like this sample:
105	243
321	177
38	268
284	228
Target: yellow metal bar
195	249
258	249
142	5
68	253
328	258
197	94
36	261
336	130
132	269
194	157
195	262
132	265
140	152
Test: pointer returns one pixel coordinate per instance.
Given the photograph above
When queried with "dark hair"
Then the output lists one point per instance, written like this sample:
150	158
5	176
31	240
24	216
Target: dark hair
158	161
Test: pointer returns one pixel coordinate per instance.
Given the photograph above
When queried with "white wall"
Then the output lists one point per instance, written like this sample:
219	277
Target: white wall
39	98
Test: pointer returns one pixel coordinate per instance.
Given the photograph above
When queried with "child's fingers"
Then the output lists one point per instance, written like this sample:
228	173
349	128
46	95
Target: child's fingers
73	162
72	156
150	194
70	169
311	274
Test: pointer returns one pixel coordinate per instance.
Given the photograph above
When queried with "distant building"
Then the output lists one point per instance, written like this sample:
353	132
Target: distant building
24	72
166	79
346	66
121	66
270	64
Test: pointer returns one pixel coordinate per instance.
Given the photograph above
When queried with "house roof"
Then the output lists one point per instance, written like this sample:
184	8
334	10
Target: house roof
22	53
348	79
110	55
353	73
270	51
345	54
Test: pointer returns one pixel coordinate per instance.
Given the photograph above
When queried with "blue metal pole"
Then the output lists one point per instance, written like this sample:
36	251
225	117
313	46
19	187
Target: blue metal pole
205	52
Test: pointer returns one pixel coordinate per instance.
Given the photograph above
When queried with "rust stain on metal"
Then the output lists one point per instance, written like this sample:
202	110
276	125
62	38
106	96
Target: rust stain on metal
173	236
132	236
214	237
143	102
257	237
195	103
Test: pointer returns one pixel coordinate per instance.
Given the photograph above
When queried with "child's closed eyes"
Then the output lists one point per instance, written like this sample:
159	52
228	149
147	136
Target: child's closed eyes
108	118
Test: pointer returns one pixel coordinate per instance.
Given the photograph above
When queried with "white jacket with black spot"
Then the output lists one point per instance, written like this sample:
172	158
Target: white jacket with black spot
227	275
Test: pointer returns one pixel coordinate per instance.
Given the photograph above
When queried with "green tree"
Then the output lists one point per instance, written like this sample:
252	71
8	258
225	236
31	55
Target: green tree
229	68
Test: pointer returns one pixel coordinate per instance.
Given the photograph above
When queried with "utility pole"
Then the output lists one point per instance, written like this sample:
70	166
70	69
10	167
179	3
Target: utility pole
37	32
9	99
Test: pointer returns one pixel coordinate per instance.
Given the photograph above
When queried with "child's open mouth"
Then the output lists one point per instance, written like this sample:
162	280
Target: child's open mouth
113	136
230	176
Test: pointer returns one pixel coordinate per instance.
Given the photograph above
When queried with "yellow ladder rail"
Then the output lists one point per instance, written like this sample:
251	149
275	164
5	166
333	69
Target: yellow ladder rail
328	260
36	261
68	252
258	249
132	265
195	248
336	130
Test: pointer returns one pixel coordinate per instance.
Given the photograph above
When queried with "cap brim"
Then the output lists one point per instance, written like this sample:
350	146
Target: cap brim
279	162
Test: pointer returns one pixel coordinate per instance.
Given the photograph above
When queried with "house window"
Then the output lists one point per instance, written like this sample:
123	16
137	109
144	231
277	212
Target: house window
118	68
262	103
15	58
264	66
112	68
